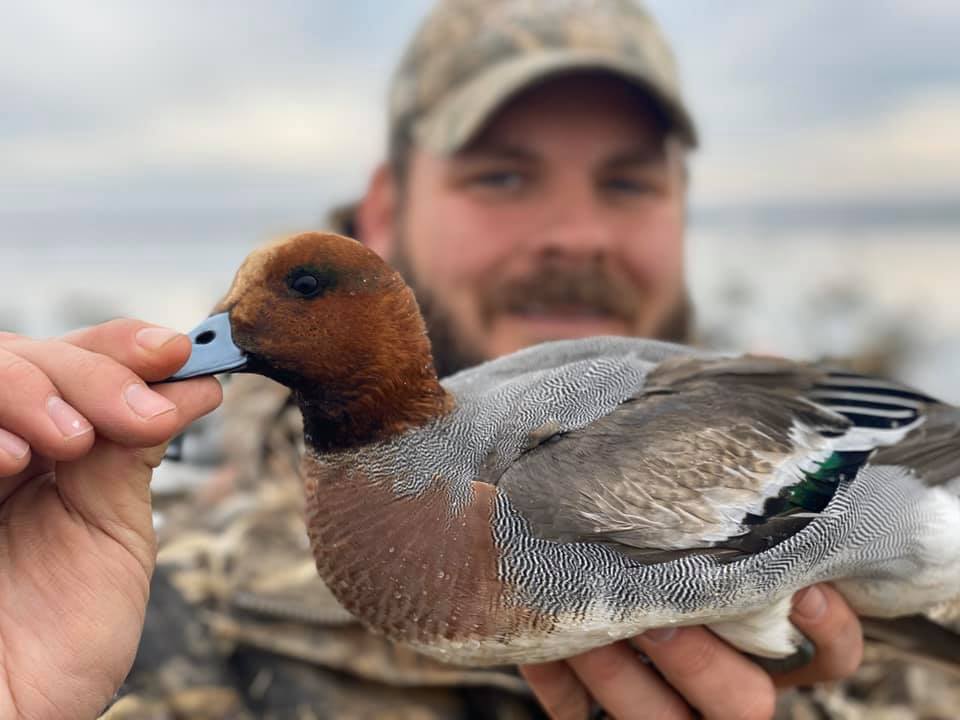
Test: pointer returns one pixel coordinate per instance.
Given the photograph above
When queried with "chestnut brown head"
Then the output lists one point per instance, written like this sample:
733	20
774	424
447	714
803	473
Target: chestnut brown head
325	316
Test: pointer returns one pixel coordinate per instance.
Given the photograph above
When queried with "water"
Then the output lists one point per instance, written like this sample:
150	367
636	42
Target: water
889	295
839	289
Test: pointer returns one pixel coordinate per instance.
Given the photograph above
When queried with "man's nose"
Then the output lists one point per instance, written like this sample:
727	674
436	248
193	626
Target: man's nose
576	224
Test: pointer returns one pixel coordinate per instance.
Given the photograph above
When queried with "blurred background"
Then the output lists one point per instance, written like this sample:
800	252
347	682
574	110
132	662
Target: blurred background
146	148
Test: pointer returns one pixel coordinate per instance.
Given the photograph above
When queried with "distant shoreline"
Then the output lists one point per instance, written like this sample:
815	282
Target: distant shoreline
943	213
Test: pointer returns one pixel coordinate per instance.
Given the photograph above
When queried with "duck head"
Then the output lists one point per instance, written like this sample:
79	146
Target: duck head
325	316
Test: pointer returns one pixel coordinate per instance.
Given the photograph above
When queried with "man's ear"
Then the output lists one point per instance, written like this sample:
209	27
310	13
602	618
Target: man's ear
377	212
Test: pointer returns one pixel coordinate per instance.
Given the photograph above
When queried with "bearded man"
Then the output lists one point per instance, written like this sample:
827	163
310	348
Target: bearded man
535	189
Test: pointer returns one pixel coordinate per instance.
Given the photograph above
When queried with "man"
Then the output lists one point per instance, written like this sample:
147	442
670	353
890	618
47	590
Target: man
535	189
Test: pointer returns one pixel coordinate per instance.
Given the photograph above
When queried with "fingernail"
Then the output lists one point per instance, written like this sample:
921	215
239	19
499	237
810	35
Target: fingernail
69	422
810	604
660	635
154	338
145	402
13	445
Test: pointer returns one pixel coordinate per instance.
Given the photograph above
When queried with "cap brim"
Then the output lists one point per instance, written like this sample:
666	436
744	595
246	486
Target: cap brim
457	118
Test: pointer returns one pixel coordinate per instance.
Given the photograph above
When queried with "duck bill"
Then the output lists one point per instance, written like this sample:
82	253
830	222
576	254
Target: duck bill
213	350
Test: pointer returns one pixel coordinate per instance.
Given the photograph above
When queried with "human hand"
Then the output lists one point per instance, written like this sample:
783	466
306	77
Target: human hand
693	671
80	433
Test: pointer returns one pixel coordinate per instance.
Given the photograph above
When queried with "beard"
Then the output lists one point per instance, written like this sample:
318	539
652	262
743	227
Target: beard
554	285
451	351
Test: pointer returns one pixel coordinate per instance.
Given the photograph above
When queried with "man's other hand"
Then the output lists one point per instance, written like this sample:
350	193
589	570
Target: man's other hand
693	673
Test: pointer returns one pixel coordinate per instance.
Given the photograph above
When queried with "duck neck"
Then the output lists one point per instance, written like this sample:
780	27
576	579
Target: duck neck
372	402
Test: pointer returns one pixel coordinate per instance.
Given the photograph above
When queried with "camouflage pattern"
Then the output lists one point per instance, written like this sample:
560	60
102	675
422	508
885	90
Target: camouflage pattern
469	56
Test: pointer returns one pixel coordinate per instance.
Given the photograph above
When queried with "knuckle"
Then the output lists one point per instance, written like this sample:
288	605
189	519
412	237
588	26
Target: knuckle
119	335
17	371
761	705
561	696
121	324
839	648
671	708
91	369
112	328
98	335
699	655
846	657
565	707
86	370
603	662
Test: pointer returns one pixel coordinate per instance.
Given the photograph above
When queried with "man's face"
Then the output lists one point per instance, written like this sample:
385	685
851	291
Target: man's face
563	219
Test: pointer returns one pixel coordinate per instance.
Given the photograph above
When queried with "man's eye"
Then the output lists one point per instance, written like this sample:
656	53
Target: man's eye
500	179
629	185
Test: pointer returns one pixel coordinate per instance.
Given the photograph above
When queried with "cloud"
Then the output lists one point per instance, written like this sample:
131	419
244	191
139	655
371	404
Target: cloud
266	132
813	99
782	65
911	152
154	101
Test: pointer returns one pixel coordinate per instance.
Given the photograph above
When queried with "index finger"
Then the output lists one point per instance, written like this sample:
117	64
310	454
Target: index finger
154	353
95	377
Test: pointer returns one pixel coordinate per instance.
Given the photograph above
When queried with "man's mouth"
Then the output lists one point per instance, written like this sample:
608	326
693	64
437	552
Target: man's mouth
564	299
558	311
548	321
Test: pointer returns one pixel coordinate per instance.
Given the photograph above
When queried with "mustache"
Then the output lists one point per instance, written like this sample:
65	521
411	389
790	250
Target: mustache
593	287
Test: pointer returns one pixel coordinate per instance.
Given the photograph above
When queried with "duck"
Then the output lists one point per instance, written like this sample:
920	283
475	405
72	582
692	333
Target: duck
582	491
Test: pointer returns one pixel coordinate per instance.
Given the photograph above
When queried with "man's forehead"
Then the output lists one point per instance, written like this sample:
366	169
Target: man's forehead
651	152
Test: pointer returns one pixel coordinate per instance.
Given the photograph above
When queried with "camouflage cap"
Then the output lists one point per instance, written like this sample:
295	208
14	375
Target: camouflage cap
469	56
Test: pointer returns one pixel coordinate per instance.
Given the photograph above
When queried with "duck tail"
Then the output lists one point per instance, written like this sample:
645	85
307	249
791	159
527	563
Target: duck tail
916	638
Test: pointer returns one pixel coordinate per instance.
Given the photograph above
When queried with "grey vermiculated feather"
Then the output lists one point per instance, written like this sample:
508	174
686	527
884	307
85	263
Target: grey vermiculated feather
609	450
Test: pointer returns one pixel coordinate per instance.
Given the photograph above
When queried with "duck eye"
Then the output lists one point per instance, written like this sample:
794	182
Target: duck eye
307	281
306	285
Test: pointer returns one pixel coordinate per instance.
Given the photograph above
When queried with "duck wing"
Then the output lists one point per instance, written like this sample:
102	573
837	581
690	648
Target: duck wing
932	449
719	456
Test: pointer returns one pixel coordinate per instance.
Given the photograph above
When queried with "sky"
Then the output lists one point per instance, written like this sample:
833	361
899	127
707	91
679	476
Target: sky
114	105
